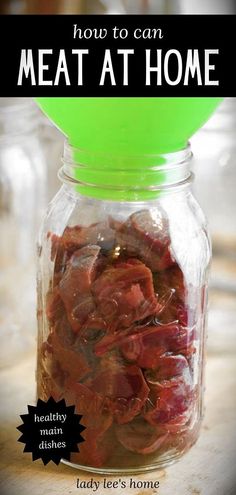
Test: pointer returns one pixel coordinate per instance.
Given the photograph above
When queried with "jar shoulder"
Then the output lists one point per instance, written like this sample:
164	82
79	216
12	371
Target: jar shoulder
190	240
177	216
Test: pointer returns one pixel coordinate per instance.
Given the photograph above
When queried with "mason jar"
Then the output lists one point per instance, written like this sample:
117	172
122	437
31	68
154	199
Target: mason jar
22	202
52	144
122	297
214	149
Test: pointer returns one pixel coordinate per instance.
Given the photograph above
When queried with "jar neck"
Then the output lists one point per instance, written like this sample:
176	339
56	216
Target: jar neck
125	177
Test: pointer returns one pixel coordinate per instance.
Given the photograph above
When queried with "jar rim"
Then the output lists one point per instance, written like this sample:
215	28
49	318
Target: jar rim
17	117
169	158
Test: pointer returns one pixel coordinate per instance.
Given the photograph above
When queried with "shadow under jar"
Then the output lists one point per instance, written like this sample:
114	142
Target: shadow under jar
122	284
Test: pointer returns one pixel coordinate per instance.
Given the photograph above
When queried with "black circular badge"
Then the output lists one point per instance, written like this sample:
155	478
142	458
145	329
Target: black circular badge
51	431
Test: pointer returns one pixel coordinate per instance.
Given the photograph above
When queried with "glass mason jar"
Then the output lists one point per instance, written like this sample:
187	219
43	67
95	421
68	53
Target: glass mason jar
52	142
122	286
214	149
22	201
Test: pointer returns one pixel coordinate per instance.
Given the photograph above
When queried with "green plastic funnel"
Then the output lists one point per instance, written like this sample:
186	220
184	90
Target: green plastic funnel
125	128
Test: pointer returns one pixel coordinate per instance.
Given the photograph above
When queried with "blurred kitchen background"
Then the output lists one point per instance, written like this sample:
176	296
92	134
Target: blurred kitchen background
30	156
117	6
